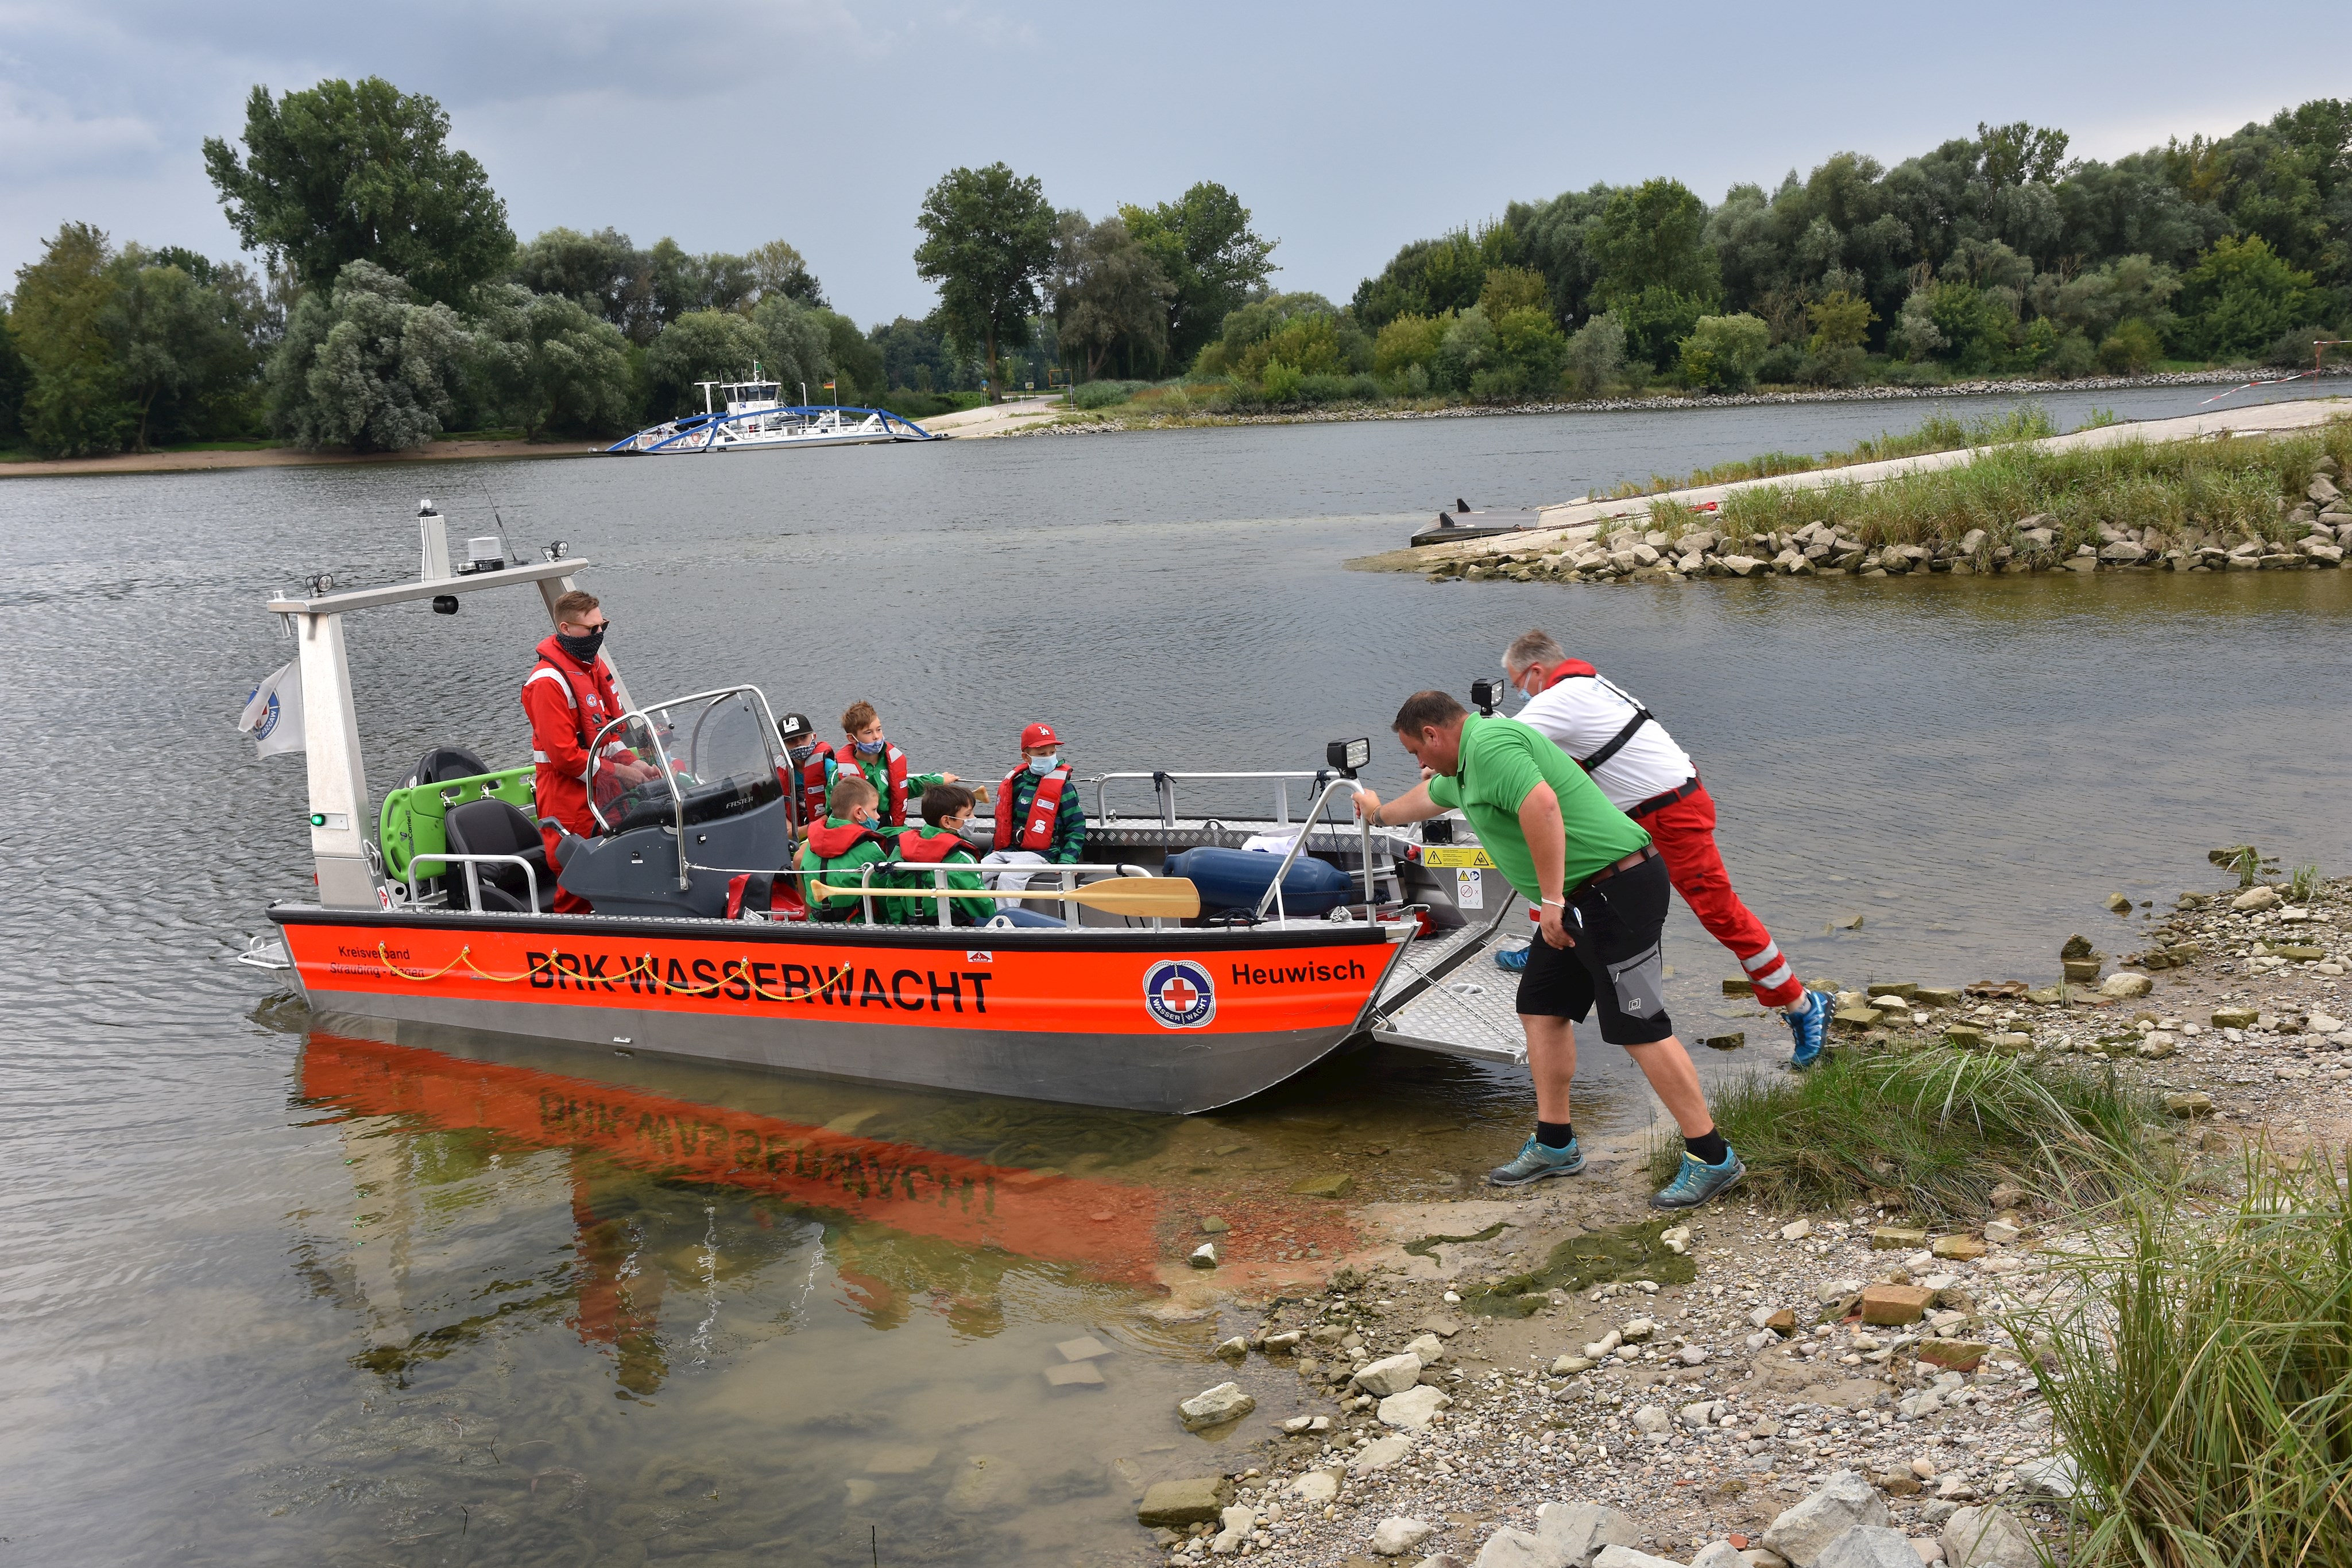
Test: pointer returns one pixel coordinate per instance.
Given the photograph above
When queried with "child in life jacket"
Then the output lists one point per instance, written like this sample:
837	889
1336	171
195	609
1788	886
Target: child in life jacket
939	842
850	839
866	750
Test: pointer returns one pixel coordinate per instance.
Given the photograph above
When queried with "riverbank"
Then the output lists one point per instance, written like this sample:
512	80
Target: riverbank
1112	421
1495	1364
284	457
2163	494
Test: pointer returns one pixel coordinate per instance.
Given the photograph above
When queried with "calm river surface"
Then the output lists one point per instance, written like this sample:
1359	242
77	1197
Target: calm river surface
276	1297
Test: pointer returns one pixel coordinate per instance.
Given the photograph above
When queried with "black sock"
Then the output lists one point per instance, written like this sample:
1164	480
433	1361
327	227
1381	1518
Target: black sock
1554	1134
1708	1146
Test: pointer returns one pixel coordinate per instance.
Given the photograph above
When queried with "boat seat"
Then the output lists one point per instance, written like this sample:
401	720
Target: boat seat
491	826
443	763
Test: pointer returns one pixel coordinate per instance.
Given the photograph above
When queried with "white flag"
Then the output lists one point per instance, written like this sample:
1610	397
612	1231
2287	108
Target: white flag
273	715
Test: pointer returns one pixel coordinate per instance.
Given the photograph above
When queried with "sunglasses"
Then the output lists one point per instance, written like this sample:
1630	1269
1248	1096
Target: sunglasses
604	625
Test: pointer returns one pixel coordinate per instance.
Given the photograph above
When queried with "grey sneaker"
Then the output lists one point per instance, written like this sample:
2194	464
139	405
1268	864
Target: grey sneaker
1536	1162
1697	1181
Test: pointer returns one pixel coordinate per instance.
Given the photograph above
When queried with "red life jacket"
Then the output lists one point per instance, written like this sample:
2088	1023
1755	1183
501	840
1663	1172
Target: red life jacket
894	796
930	849
812	783
1036	831
831	842
590	702
1565	669
894	804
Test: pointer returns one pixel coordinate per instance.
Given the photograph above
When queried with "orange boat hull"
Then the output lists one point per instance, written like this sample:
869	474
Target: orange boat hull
1176	1021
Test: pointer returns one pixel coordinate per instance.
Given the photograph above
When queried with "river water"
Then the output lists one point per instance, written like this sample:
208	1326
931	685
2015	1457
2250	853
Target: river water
272	1296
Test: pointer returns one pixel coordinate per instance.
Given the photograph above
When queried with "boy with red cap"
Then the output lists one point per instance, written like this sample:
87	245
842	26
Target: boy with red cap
1039	817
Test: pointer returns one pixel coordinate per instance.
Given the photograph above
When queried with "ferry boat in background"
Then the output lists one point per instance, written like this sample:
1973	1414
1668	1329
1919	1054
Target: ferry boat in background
753	420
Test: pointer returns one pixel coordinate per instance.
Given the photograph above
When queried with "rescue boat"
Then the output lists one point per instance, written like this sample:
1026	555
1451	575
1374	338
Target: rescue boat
434	913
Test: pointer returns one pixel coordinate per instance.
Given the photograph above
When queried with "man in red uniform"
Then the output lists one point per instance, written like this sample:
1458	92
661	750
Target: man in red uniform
569	696
1645	774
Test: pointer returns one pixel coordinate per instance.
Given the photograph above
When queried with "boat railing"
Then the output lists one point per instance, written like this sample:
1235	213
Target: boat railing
473	876
1068	875
1163	784
1272	893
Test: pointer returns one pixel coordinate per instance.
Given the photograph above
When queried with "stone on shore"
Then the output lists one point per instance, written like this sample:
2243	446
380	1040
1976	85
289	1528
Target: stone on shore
1961	1248
1391	1374
1331	1184
1216	1406
1205	1256
1897	1238
1576	1533
1394	1537
1379	1454
1987	1537
2234	1018
1891	1306
1869	1546
1719	1554
1238	1523
2257	898
1195	1502
1954	1354
2057	1477
1509	1548
2126	983
1412	1409
1315	1488
1630	1557
1844	1500
2192	1104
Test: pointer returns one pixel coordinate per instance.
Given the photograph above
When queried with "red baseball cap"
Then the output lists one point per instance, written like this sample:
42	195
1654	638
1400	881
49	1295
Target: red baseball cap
1038	735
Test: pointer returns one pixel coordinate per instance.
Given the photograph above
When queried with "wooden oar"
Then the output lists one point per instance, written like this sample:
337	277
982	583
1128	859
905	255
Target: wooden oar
1168	896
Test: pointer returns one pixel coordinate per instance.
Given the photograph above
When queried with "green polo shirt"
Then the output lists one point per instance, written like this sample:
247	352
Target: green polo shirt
1502	762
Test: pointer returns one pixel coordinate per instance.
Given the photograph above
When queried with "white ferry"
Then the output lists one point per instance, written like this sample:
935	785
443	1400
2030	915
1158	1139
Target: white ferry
752	420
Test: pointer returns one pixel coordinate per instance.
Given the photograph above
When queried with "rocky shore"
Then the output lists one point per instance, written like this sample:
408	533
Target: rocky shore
1739	1388
2320	525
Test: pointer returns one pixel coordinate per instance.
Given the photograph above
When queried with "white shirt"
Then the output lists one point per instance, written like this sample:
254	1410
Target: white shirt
1583	713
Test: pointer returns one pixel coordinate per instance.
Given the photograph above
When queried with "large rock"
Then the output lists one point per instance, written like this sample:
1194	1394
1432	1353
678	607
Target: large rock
1394	1537
1315	1488
1216	1406
1195	1502
1846	1500
1237	1524
1412	1409
1891	1306
1391	1374
1987	1537
1508	1548
1652	1420
1719	1554
2058	1476
1869	1546
1379	1454
2126	983
1575	1532
1627	1557
2257	898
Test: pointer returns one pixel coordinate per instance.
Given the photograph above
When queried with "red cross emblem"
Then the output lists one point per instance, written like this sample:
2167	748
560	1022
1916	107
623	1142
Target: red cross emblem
1179	995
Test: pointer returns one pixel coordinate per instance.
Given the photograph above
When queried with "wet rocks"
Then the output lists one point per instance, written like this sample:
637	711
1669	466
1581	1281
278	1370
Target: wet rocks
1802	1532
1197	1500
1331	1184
1216	1406
1205	1256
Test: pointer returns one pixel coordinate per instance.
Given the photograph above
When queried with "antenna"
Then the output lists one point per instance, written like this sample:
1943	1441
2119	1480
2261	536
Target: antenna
506	545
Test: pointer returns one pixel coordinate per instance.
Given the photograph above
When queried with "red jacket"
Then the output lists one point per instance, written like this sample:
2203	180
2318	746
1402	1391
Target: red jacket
1565	670
567	706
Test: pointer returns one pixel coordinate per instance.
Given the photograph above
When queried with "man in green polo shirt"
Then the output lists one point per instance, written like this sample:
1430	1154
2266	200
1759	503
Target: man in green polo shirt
1601	892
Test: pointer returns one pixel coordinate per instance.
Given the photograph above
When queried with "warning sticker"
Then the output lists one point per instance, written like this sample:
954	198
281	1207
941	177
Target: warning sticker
1449	855
1469	889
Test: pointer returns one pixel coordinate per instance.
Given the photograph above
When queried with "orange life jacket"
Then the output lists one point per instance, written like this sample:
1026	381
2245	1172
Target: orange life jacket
930	849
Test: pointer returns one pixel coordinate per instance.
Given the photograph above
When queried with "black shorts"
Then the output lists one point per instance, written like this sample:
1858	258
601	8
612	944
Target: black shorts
1617	960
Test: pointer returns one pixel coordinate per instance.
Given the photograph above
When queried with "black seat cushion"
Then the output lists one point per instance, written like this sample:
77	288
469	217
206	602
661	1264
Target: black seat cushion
491	826
442	764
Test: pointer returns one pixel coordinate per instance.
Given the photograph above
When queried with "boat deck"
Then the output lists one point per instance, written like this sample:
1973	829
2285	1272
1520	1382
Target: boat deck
1446	995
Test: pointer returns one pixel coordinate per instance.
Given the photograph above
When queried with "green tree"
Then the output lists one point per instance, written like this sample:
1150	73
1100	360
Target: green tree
988	239
362	172
1431	277
1657	320
75	406
778	268
543	362
1509	288
1532	345
857	370
2130	349
1838	321
1651	237
1108	292
2240	297
1722	351
1407	341
1206	248
1469	349
1596	356
367	364
800	348
602	270
701	346
171	336
15	381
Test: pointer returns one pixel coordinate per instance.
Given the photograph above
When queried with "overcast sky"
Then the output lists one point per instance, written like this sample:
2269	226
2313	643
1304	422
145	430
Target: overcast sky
1346	130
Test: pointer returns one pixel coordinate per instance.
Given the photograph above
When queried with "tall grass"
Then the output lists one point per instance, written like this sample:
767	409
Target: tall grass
2204	1384
2230	489
1936	433
1931	1131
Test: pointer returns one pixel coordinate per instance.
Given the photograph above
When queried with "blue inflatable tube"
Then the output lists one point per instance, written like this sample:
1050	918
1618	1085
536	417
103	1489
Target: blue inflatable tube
1233	881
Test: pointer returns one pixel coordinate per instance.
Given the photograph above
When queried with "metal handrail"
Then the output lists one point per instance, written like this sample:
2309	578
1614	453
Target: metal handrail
1164	785
939	874
473	877
1272	893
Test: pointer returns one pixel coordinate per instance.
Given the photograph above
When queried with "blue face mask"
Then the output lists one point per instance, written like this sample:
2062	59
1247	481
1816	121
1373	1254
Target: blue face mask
873	748
1047	764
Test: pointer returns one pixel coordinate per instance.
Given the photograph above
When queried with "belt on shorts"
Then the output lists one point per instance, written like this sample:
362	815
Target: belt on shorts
1682	791
1646	852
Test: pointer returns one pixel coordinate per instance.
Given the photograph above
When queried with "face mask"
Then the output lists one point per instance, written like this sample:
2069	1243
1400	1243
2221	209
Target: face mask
582	648
873	748
868	819
800	754
1044	764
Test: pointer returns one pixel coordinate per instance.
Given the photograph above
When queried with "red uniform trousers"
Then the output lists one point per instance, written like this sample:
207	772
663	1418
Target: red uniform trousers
566	902
1684	834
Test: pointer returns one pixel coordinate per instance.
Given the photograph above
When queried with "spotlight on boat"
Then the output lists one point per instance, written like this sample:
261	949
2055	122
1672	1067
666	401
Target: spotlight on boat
1485	694
445	605
555	551
1349	756
321	584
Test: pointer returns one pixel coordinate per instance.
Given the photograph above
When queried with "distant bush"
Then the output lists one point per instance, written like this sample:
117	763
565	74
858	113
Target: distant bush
1408	341
1596	356
2071	358
1102	394
1835	365
2292	351
1282	381
2130	349
1781	364
1721	353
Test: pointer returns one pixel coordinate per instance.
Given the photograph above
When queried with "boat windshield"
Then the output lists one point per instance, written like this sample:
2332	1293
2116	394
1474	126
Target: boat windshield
708	756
